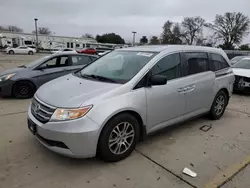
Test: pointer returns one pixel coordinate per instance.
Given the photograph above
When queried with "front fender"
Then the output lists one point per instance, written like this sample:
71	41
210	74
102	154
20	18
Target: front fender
132	101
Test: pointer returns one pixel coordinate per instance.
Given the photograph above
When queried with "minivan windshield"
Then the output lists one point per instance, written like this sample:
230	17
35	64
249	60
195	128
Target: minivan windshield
117	66
243	64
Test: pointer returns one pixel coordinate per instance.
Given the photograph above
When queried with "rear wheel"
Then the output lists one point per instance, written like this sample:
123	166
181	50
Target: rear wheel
11	52
23	90
30	53
219	105
118	138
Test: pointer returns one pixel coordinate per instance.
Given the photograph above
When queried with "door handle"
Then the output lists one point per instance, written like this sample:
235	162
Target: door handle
182	89
186	89
190	88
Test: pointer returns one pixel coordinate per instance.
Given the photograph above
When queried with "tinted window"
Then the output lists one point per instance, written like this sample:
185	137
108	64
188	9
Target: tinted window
49	64
56	62
243	64
23	47
169	66
64	61
218	62
197	62
80	60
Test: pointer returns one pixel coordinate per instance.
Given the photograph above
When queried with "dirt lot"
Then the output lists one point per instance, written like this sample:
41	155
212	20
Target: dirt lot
219	156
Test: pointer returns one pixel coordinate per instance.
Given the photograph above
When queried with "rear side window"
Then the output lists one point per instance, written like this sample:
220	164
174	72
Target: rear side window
169	66
64	61
218	62
197	62
80	60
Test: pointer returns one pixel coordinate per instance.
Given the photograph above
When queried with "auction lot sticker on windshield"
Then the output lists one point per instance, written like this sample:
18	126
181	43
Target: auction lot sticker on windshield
144	54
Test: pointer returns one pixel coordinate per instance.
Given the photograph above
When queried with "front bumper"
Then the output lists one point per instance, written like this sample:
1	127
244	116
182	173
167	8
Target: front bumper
242	84
76	138
6	88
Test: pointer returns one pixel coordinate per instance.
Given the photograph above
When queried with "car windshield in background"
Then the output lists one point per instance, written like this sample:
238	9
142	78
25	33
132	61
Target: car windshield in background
237	59
118	66
243	64
37	62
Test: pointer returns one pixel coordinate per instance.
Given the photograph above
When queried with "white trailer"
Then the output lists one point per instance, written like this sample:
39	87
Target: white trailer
46	42
51	42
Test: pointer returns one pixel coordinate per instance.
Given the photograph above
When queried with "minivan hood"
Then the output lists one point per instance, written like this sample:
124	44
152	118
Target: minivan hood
241	72
10	71
71	91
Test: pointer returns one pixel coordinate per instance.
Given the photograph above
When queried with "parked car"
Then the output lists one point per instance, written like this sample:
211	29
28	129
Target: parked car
21	50
237	59
88	51
67	50
23	81
105	108
242	75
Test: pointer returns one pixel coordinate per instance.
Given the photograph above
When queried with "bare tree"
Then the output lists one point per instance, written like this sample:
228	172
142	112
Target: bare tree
154	40
2	28
89	36
11	28
171	33
192	28
230	28
43	31
144	40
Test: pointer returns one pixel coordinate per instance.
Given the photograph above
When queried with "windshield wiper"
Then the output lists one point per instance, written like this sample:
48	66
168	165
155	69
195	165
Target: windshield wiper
97	77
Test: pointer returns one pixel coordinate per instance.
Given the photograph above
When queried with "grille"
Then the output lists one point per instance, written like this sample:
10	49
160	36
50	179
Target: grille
246	79
41	111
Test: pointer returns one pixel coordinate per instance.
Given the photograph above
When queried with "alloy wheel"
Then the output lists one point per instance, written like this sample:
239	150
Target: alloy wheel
121	138
219	105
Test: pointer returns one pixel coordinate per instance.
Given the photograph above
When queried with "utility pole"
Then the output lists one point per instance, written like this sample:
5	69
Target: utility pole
134	32
36	34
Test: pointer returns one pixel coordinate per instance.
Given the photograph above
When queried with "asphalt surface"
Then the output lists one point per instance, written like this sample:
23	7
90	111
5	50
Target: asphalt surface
218	151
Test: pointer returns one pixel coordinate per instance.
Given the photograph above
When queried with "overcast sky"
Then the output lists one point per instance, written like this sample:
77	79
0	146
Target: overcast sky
76	17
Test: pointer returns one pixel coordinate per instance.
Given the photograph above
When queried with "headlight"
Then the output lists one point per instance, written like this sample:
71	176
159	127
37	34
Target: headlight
6	77
70	114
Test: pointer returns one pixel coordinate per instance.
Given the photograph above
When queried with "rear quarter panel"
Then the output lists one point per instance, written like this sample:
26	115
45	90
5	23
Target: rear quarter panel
224	79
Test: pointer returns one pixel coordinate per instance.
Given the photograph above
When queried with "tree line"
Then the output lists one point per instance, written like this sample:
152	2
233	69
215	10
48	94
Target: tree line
16	29
226	31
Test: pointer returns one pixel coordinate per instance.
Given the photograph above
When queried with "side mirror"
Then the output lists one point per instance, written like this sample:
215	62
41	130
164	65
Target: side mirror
157	80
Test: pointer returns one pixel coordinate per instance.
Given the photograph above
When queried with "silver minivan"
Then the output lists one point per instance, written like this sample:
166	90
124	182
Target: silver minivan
106	108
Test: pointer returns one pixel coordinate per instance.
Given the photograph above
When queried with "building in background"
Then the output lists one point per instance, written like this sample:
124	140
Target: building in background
49	42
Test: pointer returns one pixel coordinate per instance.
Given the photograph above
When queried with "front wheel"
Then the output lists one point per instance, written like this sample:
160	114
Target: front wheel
23	90
219	105
11	52
30	53
118	138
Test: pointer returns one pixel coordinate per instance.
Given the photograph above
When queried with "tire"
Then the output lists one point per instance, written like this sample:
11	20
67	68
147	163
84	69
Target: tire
11	52
30	53
219	105
110	151
23	90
